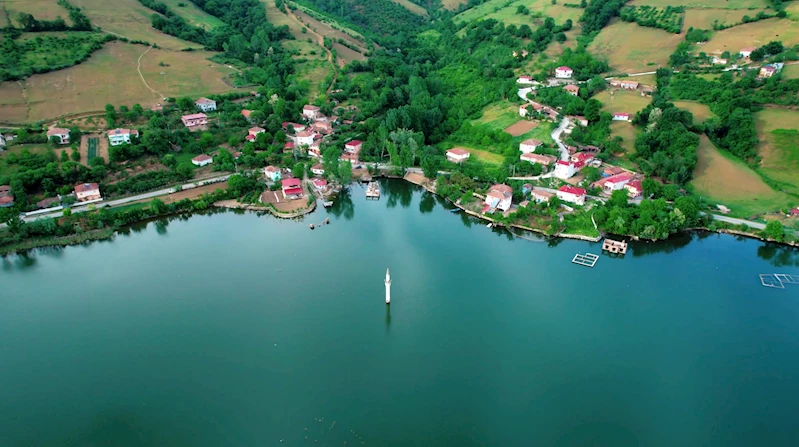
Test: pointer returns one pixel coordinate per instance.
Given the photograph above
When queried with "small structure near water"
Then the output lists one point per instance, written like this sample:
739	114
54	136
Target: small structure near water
615	247
586	260
373	190
778	280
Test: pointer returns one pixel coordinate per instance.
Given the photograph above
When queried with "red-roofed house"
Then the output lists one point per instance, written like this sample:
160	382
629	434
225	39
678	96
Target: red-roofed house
572	89
614	182
539	195
545	160
499	197
621	116
563	72
62	135
205	104
794	211
310	111
305	138
121	136
87	191
767	71
288	147
583	157
315	150
579	120
319	183
525	80
572	194
194	120
236	155
458	155
272	173
202	160
246	113
567	169
293	127
353	146
318	169
634	189
253	132
292	188
6	201
528	146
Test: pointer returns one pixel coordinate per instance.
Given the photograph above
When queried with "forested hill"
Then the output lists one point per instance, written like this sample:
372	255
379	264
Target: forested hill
381	18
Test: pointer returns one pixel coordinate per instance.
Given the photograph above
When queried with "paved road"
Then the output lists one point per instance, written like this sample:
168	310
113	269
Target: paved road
734	221
564	151
125	200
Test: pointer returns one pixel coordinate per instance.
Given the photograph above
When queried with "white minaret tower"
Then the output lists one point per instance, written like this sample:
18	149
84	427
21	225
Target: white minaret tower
388	287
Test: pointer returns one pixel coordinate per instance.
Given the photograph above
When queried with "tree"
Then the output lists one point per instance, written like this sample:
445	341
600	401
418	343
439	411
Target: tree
169	161
75	155
110	115
774	230
206	140
345	172
430	166
64	156
157	206
185	171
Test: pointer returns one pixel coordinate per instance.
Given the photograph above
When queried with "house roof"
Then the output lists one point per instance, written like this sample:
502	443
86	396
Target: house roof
305	134
505	190
317	167
271	169
291	183
237	154
583	156
193	116
310	107
5	200
636	184
44	203
257	129
318	182
572	88
531	142
768	68
205	100
288	145
621	177
458	151
119	131
564	68
572	190
564	162
201	157
250	137
795	211
246	113
541	193
57	131
621	114
5	188
292	191
83	187
538	158
354	143
496	195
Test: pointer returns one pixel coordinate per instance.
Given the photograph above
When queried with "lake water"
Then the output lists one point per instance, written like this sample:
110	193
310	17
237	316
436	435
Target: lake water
242	330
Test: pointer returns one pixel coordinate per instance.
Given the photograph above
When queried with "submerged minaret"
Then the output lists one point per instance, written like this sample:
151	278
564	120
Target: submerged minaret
388	287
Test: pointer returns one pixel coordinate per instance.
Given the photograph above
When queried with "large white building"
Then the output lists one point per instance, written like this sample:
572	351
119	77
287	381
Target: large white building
2	142
563	72
458	155
529	146
567	169
121	136
205	104
572	194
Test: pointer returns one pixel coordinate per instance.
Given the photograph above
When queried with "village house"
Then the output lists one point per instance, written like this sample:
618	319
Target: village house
315	150
353	146
499	197
611	170
305	138
253	132
6	198
288	146
205	104
634	189
458	155
746	52
582	157
767	71
202	160
529	145
2	142
322	127
572	194
121	136
614	182
246	114
563	72
293	127
61	135
194	121
319	184
621	116
718	61
292	188
539	195
310	112
317	169
572	89
578	119
236	155
525	80
272	173
566	169
544	160
87	191
629	85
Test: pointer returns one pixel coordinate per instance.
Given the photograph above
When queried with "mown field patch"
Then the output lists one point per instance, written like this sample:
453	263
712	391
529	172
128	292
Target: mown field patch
723	4
630	48
505	12
778	131
452	4
704	18
790	72
193	14
40	9
627	132
700	111
753	34
411	6
725	179
623	101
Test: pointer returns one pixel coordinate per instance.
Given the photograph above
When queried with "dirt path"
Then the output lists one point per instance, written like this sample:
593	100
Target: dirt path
138	69
321	40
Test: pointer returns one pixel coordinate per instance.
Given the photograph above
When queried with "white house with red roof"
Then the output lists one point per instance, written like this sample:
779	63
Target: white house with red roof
572	89
121	136
6	198
582	157
563	72
614	182
319	183
529	145
305	138
315	150
525	80
202	160
87	191
293	127
353	146
318	169
205	104
539	195
310	111
499	197
566	169
292	188
746	52
458	155
571	194
767	71
544	160
246	113
634	189
194	120
272	173
253	132
61	135
620	116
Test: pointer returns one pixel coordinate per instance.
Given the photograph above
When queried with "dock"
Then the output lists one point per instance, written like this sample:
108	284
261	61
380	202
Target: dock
586	260
615	247
778	280
373	190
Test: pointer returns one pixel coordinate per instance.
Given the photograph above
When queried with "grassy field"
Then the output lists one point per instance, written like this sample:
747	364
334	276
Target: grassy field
723	4
630	48
623	101
40	9
723	178
753	35
778	131
704	18
452	4
627	132
790	72
485	156
110	76
93	142
700	111
13	108
6	169
412	7
193	14
503	114
314	73
505	11
334	31
131	19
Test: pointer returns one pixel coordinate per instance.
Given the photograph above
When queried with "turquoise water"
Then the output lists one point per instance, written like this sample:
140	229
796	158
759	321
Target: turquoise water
237	330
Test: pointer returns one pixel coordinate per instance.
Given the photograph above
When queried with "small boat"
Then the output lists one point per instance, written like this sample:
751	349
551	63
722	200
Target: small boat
490	225
454	210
